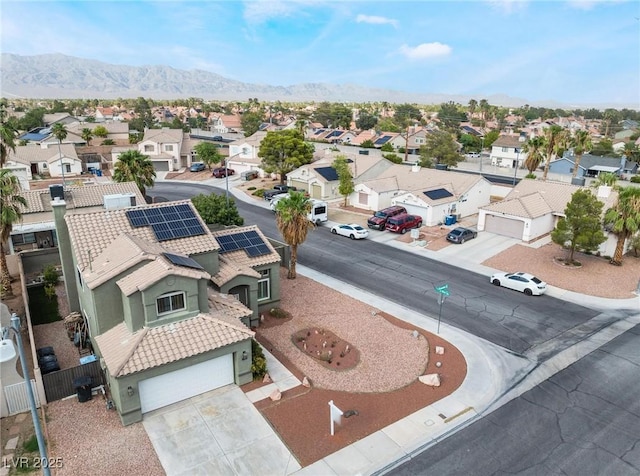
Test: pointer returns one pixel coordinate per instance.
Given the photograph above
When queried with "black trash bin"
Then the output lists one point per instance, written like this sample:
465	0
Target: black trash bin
82	385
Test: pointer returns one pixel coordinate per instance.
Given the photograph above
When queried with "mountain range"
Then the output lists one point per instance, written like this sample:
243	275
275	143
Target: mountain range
57	76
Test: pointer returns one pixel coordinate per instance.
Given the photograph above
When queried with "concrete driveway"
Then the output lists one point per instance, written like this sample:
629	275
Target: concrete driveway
218	432
485	246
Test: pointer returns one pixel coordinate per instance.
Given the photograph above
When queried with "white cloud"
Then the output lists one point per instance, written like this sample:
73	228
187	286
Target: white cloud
425	50
261	11
589	4
374	20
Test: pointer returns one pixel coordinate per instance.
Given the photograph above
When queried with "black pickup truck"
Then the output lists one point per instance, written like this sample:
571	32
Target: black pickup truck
277	190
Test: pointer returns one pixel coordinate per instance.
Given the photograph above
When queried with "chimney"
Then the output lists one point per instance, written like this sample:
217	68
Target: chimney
59	207
522	137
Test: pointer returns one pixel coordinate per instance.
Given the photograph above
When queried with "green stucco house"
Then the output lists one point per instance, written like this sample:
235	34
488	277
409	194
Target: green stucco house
169	304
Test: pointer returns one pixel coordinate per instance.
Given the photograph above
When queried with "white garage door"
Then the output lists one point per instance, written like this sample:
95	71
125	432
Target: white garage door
161	165
504	226
163	390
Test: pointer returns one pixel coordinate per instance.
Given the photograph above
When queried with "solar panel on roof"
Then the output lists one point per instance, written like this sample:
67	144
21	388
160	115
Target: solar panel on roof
249	241
382	140
168	222
328	173
438	193
181	260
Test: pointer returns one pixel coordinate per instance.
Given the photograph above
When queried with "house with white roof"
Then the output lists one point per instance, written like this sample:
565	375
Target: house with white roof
532	210
169	305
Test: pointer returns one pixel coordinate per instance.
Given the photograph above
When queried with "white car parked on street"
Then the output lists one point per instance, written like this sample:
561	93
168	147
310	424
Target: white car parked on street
350	230
523	282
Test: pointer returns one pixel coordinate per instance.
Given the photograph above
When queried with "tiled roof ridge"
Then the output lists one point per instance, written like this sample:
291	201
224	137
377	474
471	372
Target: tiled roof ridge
524	202
142	334
239	327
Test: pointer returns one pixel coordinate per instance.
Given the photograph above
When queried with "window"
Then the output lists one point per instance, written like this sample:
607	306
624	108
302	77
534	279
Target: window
67	168
505	149
44	166
170	303
148	148
23	239
168	147
264	287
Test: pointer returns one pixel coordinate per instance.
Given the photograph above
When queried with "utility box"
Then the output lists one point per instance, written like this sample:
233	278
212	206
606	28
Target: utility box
450	220
119	200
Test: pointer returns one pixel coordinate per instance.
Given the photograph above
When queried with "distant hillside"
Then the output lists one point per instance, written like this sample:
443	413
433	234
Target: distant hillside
66	77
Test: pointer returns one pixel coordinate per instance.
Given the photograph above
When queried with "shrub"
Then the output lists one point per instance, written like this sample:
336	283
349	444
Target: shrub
635	179
396	159
259	193
258	361
50	291
279	313
51	275
530	176
251	188
31	444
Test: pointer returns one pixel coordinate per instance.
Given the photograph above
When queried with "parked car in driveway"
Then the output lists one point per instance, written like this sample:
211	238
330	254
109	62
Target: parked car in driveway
523	282
403	222
460	235
379	219
351	230
197	167
220	172
277	190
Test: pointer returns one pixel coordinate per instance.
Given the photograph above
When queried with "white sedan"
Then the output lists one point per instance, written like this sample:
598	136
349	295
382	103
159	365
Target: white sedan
352	230
523	282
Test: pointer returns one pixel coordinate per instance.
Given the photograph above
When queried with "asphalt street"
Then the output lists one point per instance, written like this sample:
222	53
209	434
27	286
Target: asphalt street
509	319
585	420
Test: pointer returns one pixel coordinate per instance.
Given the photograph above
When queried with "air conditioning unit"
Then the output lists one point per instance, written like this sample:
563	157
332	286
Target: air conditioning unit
119	200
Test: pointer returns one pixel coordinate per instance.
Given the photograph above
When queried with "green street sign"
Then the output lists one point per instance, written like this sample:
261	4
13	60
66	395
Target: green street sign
444	289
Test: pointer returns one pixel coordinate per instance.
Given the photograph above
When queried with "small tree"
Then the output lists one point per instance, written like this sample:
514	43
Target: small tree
293	224
346	186
284	151
208	153
441	148
368	144
213	209
100	131
87	135
581	227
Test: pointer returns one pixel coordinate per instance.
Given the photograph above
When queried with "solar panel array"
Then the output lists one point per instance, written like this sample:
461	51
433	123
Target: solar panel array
249	241
181	260
382	140
438	193
169	222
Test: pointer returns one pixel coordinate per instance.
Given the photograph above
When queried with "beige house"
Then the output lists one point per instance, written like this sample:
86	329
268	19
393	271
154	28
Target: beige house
243	154
168	149
429	193
506	151
532	210
45	159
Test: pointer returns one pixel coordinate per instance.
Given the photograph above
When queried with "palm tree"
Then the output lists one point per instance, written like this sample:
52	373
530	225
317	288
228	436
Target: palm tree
293	224
10	213
623	219
606	179
60	133
581	142
533	149
484	108
7	137
87	135
133	166
552	140
473	104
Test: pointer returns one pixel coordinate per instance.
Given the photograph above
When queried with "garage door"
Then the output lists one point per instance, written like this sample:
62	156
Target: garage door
316	191
161	165
504	226
163	390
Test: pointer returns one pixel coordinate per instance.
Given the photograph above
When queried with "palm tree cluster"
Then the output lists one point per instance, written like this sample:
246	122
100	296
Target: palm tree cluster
133	166
11	206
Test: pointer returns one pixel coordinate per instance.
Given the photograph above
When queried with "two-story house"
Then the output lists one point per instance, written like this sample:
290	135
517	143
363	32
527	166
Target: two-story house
169	305
243	153
506	151
168	149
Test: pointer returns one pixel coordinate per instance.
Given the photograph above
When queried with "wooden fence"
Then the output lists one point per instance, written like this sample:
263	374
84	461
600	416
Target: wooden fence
58	385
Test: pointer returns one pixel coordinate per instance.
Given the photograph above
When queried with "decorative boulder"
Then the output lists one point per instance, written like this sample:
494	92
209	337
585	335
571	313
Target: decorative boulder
305	382
266	378
433	380
275	395
439	350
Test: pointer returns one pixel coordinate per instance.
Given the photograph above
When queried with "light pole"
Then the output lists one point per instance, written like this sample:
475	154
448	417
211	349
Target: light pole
481	149
15	327
515	169
226	180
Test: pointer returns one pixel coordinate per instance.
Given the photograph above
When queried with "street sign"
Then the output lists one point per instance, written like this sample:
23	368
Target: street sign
444	289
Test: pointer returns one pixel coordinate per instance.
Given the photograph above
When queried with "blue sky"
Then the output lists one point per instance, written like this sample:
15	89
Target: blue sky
574	52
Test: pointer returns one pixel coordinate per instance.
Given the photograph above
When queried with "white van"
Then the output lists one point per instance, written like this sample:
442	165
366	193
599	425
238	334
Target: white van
319	210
